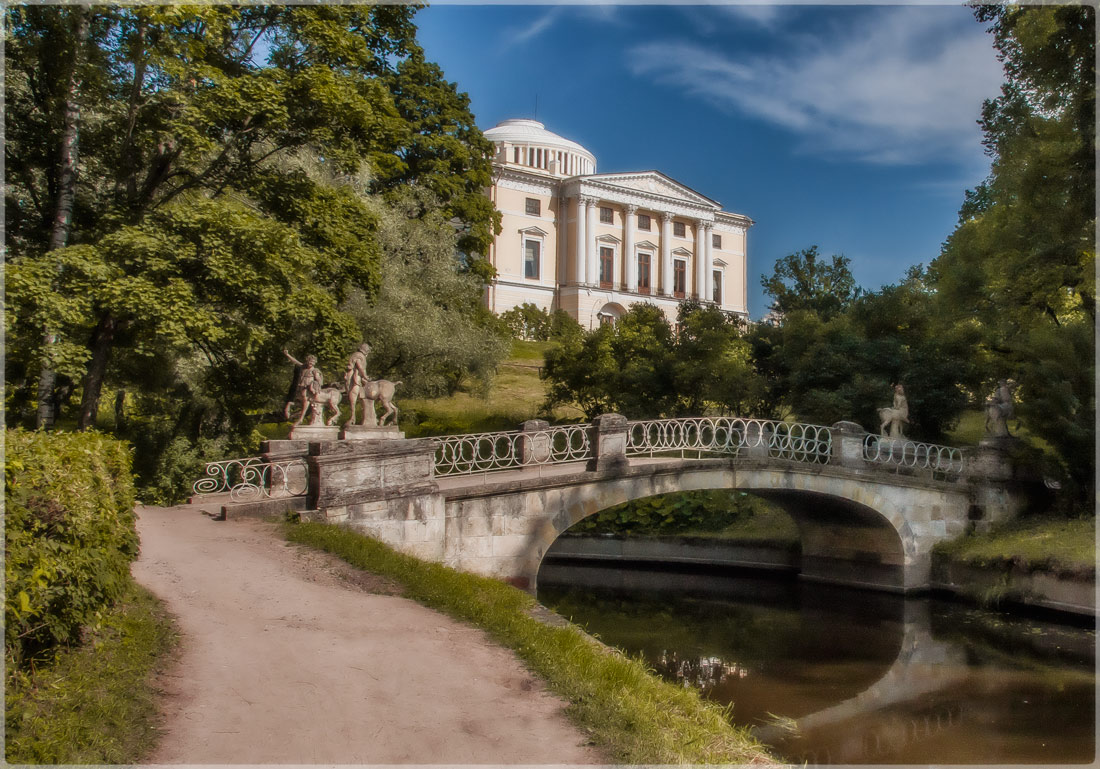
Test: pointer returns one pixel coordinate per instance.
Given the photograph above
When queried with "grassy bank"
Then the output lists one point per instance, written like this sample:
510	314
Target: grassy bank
630	713
96	703
1034	544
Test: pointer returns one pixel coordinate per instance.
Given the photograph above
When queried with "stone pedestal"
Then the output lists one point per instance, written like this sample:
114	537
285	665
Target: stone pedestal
847	444
755	441
314	433
608	441
370	433
535	445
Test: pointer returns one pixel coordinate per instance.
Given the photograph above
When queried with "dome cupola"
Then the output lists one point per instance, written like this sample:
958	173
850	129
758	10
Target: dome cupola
526	144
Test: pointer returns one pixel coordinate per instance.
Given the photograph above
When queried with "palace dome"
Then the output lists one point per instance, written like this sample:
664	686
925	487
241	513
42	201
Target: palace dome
528	135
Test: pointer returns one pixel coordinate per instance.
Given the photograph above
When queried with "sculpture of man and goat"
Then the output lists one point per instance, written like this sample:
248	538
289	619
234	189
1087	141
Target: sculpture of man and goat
311	396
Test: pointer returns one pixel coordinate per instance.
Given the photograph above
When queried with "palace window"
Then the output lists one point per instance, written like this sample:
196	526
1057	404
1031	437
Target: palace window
532	250
607	216
644	259
678	229
643	222
607	266
716	278
533	207
679	278
716	240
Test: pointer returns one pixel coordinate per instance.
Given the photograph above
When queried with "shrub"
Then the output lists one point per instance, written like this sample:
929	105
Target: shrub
70	537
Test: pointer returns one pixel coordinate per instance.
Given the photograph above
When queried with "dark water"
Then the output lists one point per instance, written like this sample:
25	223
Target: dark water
835	676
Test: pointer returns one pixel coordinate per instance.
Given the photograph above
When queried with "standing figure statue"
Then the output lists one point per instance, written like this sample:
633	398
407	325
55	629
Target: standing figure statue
361	387
999	409
895	416
310	392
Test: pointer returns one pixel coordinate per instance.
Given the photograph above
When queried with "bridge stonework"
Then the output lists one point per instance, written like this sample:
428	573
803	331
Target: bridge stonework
858	524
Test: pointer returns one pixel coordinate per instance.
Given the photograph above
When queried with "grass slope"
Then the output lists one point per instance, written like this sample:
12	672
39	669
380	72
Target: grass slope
1035	544
634	716
96	704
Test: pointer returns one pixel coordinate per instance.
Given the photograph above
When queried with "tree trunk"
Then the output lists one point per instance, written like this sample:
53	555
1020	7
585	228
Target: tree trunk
97	370
120	411
63	212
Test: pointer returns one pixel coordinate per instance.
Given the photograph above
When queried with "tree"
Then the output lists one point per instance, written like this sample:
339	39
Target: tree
215	103
426	324
802	282
640	368
1022	259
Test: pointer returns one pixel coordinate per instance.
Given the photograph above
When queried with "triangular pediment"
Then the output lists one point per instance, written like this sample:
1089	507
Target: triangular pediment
656	183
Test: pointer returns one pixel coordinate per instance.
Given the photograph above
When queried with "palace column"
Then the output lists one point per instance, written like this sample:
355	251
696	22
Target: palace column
582	244
666	254
700	259
709	274
630	262
592	256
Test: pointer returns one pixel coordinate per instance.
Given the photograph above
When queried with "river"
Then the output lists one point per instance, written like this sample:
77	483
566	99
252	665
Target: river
831	675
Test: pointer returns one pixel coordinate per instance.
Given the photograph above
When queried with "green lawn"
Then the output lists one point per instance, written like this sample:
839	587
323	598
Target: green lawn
96	703
1065	546
515	395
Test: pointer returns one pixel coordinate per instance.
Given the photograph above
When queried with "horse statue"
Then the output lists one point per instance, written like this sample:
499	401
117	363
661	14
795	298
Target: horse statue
893	417
368	392
317	401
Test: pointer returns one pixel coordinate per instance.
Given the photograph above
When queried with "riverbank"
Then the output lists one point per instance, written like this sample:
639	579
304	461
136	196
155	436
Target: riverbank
1042	564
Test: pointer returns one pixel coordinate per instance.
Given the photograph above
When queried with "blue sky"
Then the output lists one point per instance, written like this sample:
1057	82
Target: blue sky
849	127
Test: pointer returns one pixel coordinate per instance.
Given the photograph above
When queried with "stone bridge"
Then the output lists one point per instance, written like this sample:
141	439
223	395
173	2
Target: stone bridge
868	509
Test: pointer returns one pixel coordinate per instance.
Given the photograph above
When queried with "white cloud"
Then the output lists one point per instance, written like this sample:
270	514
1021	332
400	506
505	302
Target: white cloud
766	16
514	36
902	86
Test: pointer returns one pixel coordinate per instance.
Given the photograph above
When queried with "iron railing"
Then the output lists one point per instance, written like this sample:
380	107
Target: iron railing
730	436
902	453
488	452
251	478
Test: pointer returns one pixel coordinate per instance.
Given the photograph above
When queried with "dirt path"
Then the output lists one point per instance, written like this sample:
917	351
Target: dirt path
285	661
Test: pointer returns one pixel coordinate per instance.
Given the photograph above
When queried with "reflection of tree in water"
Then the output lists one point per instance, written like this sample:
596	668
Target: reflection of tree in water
700	672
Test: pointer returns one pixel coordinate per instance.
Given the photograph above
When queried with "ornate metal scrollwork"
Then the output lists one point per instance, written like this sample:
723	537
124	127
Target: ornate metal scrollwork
912	454
252	478
488	452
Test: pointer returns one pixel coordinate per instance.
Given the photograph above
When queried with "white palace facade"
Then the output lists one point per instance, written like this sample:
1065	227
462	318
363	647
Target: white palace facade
593	244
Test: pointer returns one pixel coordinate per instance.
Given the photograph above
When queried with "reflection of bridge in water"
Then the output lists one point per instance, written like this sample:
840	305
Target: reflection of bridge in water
868	510
897	711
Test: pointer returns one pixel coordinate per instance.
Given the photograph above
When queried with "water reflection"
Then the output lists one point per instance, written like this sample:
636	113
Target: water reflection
830	675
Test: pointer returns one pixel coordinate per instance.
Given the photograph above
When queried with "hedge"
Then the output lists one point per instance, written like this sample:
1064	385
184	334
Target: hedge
70	537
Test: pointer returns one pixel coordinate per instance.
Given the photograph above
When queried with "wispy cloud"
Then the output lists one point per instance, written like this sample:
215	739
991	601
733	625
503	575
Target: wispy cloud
516	35
766	16
903	85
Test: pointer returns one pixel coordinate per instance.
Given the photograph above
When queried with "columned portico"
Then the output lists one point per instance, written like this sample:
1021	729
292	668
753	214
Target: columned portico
623	223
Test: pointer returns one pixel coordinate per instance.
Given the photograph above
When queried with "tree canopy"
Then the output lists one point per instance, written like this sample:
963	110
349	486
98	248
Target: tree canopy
191	189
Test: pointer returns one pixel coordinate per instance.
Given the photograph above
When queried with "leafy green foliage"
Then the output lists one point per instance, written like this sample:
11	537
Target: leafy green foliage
229	167
802	282
694	511
843	365
70	537
532	323
96	703
1022	259
640	368
426	324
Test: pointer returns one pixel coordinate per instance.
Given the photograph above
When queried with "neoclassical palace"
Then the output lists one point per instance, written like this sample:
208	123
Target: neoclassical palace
593	244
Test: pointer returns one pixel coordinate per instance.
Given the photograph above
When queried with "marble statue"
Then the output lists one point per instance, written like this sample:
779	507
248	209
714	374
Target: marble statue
999	409
311	394
893	417
361	388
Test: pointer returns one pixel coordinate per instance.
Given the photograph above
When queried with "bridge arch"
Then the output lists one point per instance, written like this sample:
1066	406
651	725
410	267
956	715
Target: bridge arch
854	530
